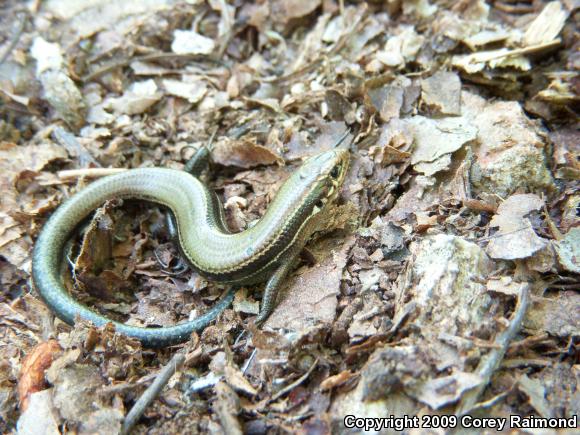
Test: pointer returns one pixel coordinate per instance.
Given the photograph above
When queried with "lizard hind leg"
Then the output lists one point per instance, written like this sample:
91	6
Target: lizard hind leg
273	287
200	159
182	265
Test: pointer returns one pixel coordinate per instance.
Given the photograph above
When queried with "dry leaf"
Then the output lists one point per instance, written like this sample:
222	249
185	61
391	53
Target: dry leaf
190	42
515	237
40	417
557	315
436	137
441	93
244	154
192	92
310	298
235	379
568	250
536	394
547	26
59	89
139	97
33	370
443	391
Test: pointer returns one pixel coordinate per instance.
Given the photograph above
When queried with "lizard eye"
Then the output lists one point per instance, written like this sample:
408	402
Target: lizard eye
334	173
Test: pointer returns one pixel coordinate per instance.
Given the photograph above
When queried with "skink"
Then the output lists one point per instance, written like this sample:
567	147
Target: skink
266	251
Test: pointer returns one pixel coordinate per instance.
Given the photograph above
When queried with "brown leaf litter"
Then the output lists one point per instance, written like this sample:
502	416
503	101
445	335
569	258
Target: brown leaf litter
446	282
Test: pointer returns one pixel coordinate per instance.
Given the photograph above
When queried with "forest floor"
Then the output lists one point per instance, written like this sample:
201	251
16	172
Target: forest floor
446	282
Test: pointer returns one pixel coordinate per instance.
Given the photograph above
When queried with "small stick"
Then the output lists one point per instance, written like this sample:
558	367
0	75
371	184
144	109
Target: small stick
294	384
120	388
492	360
249	361
152	57
72	174
152	392
524	50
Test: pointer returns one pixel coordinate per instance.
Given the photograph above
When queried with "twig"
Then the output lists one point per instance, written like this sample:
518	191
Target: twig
490	362
152	57
227	407
525	362
121	388
249	361
294	384
152	392
528	341
499	235
526	50
72	174
574	286
514	9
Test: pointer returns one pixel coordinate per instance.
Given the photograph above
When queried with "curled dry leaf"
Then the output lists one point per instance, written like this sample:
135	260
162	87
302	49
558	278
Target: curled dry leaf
244	304
33	369
436	137
394	144
235	379
244	154
96	248
486	37
515	237
506	285
561	89
401	48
